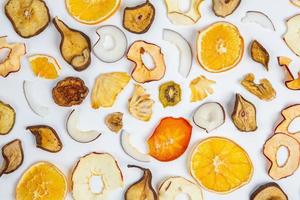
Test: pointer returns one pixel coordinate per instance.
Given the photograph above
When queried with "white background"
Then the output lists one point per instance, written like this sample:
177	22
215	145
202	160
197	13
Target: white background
227	85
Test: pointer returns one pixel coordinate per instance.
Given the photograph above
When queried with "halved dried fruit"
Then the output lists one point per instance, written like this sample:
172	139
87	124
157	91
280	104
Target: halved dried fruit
101	165
291	164
244	114
13	156
75	46
291	37
11	63
140	72
114	121
172	187
170	139
223	8
142	189
259	18
269	191
107	87
220	165
189	17
209	116
169	94
46	138
7	118
70	91
295	2
140	104
42	180
139	19
291	82
260	54
28	17
264	90
289	114
77	134
44	66
220	47
201	87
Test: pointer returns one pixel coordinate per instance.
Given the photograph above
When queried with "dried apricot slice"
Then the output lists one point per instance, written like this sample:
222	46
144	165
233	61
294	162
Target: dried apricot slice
170	139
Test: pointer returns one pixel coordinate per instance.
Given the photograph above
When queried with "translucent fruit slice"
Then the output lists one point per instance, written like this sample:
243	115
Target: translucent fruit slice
42	180
44	66
220	165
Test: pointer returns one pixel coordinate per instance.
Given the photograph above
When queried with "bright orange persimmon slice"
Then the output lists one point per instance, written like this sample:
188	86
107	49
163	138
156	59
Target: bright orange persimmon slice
170	139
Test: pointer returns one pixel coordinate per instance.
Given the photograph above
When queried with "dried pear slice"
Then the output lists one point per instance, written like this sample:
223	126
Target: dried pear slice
142	189
244	115
107	87
139	19
13	156
269	191
169	94
12	62
201	88
46	138
114	121
223	8
28	17
260	54
75	46
7	118
140	104
264	90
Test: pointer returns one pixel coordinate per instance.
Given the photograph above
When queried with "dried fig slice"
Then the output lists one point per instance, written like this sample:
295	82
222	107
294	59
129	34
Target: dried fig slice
291	82
28	17
7	118
264	90
244	115
139	19
69	92
114	121
12	62
269	191
75	46
142	189
223	8
271	148
260	54
140	72
169	94
13	156
46	138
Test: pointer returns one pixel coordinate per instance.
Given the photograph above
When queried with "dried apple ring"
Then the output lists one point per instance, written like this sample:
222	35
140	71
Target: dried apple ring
271	148
291	82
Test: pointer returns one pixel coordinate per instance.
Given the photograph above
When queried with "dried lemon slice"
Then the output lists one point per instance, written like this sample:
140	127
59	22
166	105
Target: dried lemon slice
220	165
42	180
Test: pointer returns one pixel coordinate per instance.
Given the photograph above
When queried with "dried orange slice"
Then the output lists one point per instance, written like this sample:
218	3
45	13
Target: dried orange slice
220	47
44	66
92	11
220	165
42	180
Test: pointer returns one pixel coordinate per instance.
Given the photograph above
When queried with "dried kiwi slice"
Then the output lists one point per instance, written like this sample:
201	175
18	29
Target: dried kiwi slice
7	118
169	94
139	19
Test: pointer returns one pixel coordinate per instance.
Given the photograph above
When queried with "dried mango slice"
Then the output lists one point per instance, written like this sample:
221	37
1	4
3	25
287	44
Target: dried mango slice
169	94
291	82
201	87
260	54
7	118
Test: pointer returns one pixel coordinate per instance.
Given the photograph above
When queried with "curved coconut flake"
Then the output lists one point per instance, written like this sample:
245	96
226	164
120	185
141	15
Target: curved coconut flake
258	18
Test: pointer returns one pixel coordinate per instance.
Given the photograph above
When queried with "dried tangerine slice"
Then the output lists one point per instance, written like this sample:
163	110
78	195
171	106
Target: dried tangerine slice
44	66
42	181
220	165
92	11
220	47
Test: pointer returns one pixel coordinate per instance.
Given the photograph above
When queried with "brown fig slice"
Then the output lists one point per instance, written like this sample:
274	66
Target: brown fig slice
13	156
75	46
28	17
271	148
140	72
269	191
291	82
223	8
260	54
244	115
139	19
114	121
7	118
46	138
142	189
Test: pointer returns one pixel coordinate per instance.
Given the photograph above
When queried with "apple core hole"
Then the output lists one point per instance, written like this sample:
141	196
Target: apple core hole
282	155
4	53
108	42
96	184
182	196
184	5
148	60
294	126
